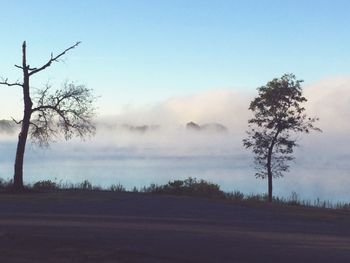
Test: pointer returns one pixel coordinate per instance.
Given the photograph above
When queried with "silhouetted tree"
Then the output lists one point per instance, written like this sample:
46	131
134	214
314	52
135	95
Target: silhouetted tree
278	115
68	110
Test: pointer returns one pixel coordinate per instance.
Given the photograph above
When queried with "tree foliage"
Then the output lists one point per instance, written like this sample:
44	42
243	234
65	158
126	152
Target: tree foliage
68	111
279	115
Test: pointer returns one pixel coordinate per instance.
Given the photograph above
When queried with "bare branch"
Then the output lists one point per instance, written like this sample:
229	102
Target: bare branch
18	67
17	122
6	83
35	125
52	59
68	111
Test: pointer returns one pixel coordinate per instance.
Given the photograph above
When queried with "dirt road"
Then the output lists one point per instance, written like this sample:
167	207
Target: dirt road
115	227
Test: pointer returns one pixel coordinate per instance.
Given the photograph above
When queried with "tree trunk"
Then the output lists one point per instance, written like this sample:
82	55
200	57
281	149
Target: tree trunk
269	175
22	137
269	164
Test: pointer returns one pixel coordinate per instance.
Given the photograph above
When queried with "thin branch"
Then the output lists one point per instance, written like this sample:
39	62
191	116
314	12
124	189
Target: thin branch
17	122
52	59
44	107
68	110
6	83
36	126
19	67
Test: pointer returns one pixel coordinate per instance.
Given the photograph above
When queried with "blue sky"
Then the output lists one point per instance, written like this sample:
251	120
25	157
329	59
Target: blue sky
141	52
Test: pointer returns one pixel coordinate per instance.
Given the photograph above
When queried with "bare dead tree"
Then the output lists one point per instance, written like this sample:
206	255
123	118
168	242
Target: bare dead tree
68	110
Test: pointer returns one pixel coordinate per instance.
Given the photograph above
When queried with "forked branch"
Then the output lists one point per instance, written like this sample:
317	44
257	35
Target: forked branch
69	111
52	59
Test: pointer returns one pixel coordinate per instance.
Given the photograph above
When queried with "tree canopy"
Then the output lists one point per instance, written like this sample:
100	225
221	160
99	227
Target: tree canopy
278	115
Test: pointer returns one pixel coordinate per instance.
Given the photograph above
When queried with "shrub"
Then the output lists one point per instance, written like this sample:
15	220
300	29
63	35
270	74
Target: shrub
85	185
6	184
117	188
45	185
2	183
257	197
236	195
294	199
152	188
97	188
189	187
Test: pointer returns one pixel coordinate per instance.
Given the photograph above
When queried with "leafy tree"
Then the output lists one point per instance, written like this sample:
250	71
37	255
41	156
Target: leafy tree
68	110
278	115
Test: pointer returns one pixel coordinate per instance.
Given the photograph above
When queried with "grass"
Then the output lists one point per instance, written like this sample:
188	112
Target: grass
188	187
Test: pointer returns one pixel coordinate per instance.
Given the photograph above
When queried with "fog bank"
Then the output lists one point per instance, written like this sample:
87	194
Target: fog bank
152	144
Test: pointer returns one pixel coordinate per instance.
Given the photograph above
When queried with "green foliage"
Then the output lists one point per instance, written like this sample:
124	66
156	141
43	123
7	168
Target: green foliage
45	185
278	115
188	187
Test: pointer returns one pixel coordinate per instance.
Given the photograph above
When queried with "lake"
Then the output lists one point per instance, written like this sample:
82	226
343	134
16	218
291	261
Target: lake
139	160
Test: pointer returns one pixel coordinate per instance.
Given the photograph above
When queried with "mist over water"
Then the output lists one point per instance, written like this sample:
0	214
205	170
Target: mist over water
152	145
213	157
134	159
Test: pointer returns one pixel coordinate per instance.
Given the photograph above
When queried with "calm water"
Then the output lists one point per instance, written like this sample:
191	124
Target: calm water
219	162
